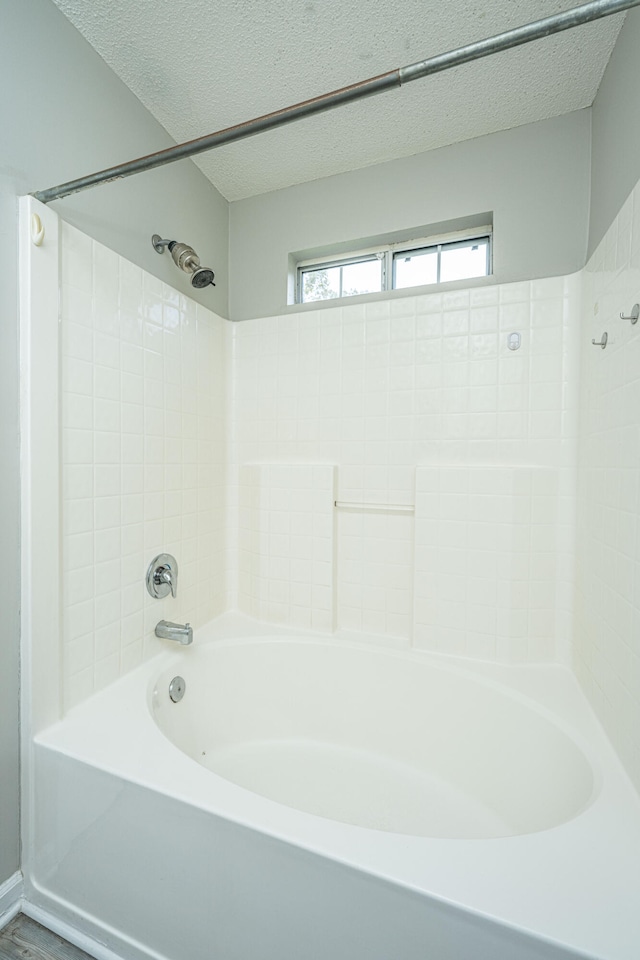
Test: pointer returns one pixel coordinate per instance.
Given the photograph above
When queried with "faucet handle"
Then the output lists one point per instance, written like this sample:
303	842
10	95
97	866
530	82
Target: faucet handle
162	576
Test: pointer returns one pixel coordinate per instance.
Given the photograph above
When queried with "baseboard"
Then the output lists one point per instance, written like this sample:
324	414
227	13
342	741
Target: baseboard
86	933
10	898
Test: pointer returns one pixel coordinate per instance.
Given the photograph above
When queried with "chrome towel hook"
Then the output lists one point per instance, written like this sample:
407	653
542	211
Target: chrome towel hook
602	342
635	313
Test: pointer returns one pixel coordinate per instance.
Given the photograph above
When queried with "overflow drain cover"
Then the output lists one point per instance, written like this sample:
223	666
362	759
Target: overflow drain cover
177	688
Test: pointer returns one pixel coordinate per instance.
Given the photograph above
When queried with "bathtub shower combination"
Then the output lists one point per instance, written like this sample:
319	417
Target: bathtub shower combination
383	754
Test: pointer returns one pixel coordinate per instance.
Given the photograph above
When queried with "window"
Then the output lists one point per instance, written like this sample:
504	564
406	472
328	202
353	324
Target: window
395	266
341	278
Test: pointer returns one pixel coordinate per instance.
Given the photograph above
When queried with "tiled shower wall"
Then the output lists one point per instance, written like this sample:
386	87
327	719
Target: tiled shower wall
285	549
452	459
143	397
607	634
385	390
486	561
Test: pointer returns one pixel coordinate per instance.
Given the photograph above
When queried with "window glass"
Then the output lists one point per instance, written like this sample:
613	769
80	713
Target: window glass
413	269
365	277
341	280
323	284
462	261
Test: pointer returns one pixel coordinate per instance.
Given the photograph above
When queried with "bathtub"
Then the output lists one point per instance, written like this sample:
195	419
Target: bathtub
318	799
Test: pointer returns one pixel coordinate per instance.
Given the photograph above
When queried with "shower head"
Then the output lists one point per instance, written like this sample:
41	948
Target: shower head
187	259
202	277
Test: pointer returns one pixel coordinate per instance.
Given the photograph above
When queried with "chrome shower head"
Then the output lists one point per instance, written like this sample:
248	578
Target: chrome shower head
202	277
187	259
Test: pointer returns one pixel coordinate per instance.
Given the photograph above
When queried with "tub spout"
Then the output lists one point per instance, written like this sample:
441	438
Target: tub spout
181	632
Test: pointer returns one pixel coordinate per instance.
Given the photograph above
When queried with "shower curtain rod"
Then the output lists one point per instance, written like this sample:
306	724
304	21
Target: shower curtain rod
594	10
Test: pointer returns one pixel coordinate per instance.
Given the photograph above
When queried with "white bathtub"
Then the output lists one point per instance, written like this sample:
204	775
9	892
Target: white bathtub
374	738
318	800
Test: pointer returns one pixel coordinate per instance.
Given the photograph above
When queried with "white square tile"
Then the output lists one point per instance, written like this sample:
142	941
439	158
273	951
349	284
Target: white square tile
106	382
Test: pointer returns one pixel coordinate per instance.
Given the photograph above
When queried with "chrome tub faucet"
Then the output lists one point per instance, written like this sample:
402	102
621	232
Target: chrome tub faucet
180	632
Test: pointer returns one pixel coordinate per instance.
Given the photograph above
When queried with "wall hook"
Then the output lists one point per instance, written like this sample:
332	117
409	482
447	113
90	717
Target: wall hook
37	230
602	342
635	313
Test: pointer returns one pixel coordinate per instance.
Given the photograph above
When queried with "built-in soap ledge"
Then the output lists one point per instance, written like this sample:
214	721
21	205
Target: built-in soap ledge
374	507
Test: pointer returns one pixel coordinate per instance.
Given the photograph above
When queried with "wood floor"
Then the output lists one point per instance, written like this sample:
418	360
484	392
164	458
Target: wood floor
24	939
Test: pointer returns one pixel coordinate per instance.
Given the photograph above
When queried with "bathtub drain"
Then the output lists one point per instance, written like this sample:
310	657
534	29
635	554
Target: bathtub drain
177	688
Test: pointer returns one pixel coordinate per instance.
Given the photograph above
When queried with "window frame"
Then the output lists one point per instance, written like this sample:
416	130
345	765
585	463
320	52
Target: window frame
439	247
387	254
361	256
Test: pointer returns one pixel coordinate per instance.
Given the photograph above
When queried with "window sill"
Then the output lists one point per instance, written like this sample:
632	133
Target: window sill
423	290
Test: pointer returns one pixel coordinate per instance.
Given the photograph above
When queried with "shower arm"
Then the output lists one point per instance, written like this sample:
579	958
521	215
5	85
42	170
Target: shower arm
536	30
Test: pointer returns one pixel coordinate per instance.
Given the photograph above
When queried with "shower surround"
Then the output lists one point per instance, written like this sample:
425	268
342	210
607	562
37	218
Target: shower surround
452	456
143	408
454	467
386	470
607	621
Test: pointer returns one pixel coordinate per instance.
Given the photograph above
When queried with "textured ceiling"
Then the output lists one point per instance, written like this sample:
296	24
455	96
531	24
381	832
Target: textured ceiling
202	65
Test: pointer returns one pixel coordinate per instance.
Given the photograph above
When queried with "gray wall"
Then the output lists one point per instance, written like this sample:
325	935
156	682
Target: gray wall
534	178
64	114
615	158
